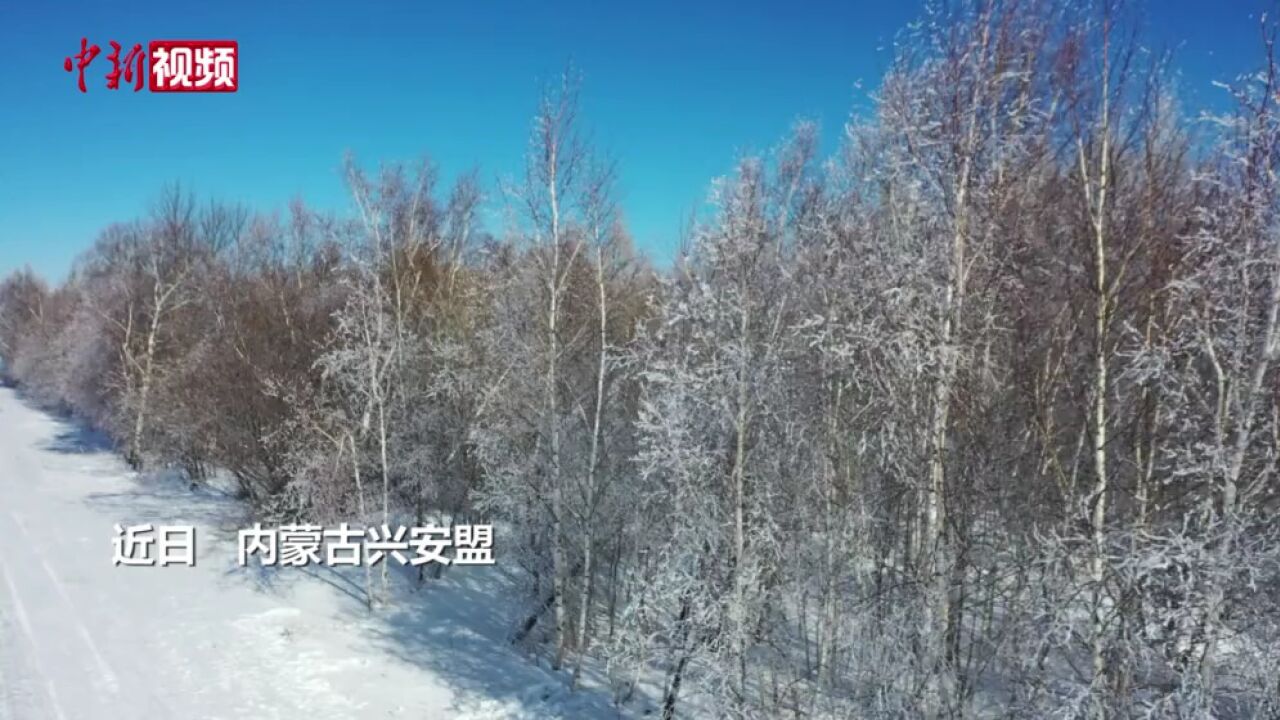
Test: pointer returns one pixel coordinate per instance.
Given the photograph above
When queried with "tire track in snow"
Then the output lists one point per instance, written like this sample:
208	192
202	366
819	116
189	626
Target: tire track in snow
109	680
24	624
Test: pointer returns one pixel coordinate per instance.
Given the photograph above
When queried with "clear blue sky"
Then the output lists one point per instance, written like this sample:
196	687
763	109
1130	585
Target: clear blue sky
674	90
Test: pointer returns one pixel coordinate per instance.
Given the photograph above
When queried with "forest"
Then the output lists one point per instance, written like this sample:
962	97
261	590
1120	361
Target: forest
975	415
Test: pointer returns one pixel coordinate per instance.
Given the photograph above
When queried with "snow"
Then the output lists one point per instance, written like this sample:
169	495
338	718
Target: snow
81	638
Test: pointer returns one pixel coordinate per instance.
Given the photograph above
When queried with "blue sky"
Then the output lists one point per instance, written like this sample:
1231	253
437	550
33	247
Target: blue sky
674	90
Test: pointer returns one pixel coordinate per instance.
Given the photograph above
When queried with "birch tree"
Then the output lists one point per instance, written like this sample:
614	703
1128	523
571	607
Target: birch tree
545	204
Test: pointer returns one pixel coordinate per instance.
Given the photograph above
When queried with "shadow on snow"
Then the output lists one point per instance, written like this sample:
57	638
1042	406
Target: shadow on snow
457	627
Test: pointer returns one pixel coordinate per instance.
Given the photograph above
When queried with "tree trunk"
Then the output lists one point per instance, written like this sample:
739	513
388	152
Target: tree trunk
144	387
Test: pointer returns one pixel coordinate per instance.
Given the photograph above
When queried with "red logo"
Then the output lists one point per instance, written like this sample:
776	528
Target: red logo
194	66
176	65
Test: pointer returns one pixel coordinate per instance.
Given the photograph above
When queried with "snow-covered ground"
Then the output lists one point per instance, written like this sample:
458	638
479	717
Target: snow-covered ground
81	638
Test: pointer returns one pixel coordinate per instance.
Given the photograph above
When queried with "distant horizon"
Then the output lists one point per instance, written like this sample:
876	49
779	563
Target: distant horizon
675	96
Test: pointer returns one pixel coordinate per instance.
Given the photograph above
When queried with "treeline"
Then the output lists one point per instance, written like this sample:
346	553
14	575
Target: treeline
979	416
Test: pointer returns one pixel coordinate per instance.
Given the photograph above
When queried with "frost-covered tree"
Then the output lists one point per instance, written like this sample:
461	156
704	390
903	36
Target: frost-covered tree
552	436
713	446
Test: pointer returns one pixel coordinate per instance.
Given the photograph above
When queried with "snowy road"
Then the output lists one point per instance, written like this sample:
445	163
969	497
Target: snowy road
82	639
